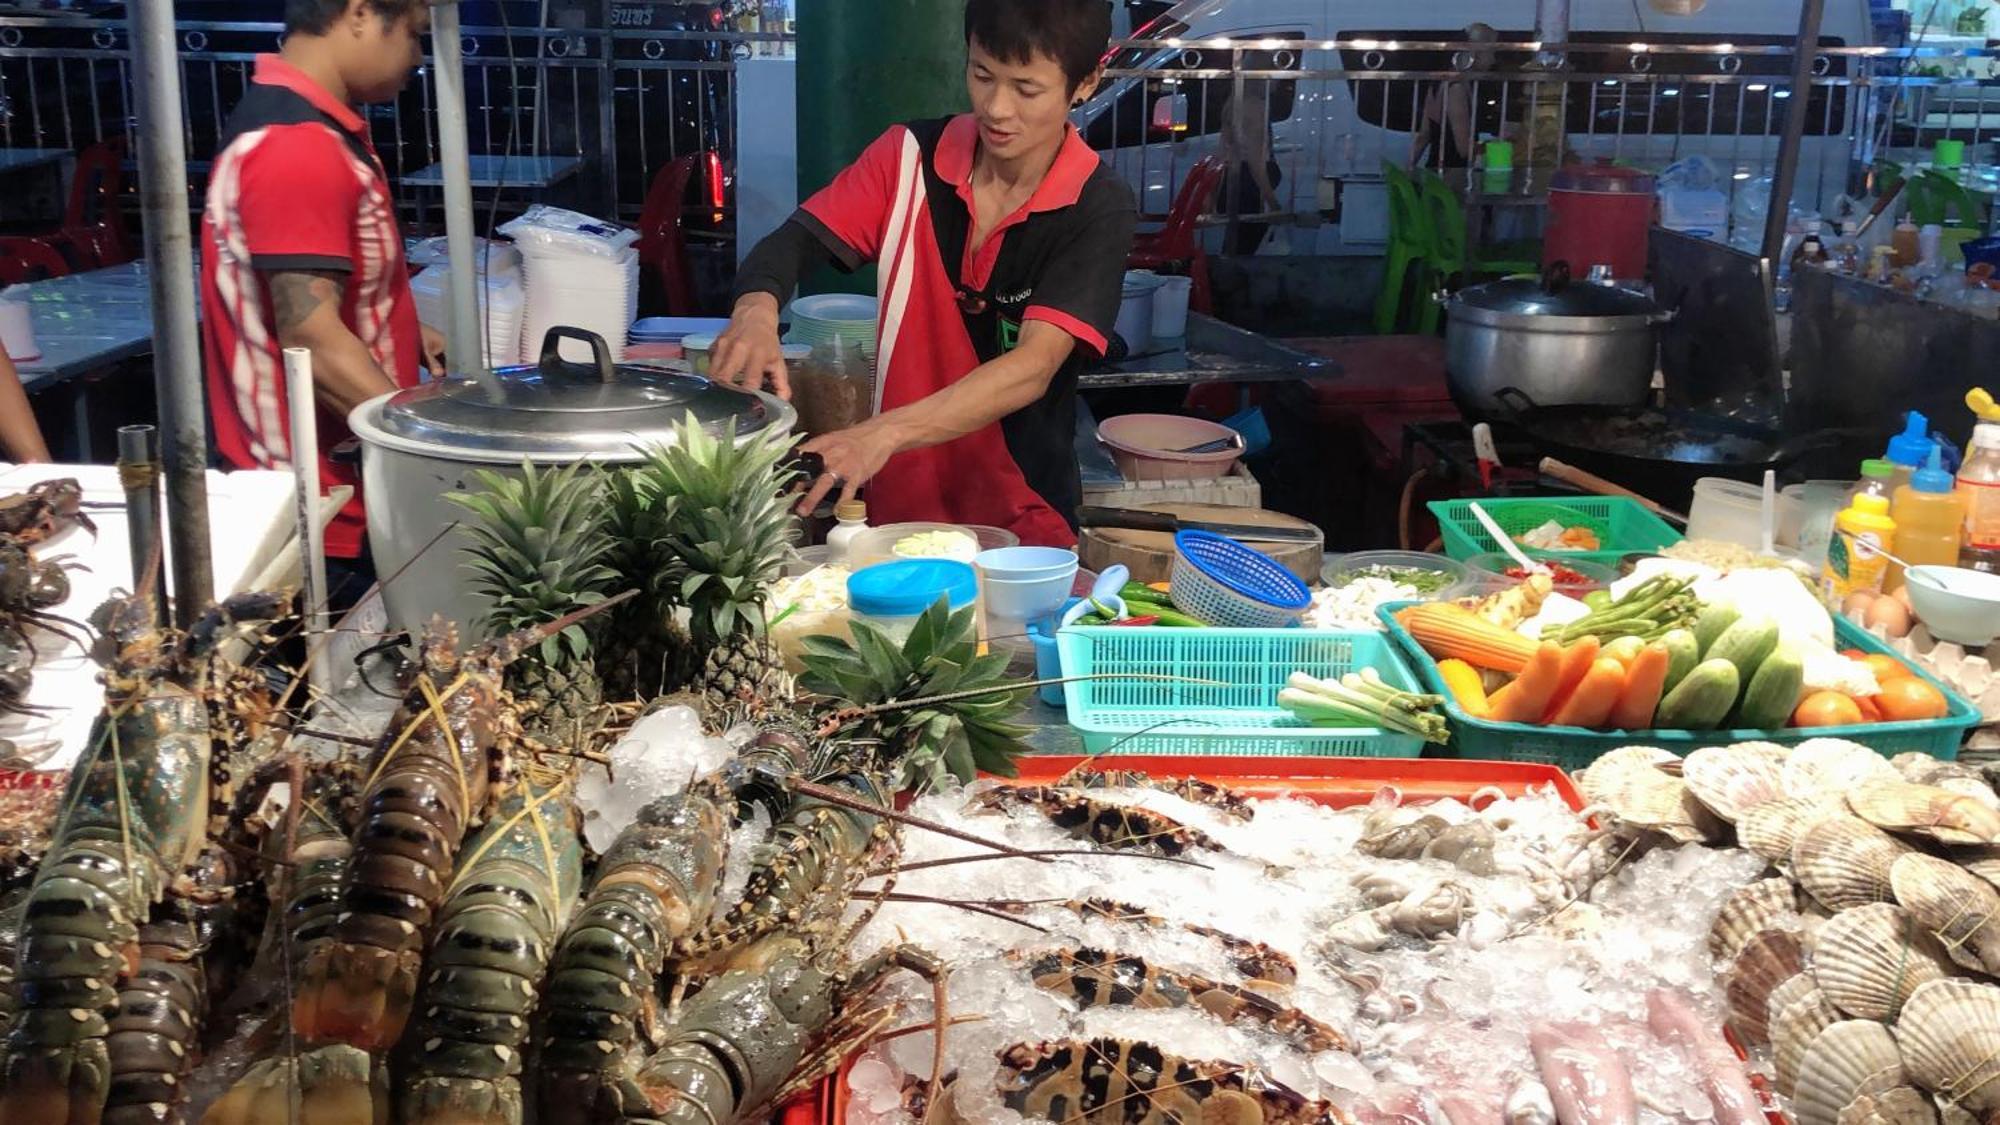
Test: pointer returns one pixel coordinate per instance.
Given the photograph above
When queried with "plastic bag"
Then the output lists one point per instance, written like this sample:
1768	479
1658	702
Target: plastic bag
496	260
554	230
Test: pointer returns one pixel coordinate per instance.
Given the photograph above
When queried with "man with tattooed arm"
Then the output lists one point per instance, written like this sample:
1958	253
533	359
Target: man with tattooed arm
300	248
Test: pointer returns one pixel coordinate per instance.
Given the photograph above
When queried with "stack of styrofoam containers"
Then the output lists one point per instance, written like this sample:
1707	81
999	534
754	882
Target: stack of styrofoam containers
581	272
502	303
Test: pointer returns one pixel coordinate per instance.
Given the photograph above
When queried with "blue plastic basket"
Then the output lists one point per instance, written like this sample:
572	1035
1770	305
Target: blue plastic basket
1573	748
1225	583
1238	718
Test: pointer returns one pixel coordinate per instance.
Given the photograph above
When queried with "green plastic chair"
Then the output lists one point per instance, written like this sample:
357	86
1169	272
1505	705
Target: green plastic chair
1451	256
1932	197
1411	243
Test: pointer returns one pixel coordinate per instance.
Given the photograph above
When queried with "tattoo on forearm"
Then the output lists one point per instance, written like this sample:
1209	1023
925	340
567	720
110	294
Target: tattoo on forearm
297	294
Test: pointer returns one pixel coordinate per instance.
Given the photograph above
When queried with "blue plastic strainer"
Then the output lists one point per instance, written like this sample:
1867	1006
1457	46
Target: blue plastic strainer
1225	583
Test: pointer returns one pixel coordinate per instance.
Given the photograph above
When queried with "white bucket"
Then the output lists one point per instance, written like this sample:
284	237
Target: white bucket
1135	311
1170	307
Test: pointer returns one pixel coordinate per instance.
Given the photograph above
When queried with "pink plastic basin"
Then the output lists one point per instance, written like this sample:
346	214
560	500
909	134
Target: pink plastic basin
1143	445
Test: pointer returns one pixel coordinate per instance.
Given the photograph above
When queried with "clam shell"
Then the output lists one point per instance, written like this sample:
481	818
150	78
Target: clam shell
1798	1015
1847	1060
1830	766
1904	1105
1844	861
1869	959
1771	829
1959	908
1924	810
1767	960
1731	780
1950	1031
1762	905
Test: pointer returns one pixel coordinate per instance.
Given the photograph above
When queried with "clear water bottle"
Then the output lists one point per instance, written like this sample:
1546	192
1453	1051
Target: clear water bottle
1979	486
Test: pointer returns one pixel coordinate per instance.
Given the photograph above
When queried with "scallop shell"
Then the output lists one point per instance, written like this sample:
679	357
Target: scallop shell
1924	810
1974	788
1613	772
1798	1015
1904	1105
1959	908
1662	803
1772	828
1983	862
1917	766
1732	780
1872	957
1762	905
1844	861
1950	1031
1830	765
1767	960
1847	1060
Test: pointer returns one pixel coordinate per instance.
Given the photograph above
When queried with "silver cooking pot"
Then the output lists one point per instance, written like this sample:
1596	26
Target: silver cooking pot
1590	342
421	443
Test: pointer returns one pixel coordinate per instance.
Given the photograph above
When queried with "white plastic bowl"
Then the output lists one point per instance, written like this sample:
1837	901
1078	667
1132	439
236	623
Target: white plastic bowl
1965	611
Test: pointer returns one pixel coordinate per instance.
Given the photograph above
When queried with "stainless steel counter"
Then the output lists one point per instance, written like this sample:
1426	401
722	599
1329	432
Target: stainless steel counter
1215	353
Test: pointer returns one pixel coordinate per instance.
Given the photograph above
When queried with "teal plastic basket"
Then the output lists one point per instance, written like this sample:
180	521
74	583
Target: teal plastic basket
1241	716
1622	525
1573	748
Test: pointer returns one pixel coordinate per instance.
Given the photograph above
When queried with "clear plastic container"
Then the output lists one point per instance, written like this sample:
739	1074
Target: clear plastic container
1488	573
1457	579
1930	517
1979	485
891	596
878	544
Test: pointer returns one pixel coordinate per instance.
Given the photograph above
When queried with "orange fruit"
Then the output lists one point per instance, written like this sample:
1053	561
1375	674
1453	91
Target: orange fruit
1886	667
1827	709
1908	698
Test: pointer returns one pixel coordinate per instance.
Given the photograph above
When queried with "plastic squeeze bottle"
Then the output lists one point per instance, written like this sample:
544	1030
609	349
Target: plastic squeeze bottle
1979	487
1929	517
1877	479
1850	566
1909	450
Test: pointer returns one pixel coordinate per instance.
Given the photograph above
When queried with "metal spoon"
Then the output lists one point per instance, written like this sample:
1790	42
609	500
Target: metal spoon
1864	548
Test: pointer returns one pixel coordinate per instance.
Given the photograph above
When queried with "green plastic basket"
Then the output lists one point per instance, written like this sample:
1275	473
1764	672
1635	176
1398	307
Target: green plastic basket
1573	748
1621	524
1241	716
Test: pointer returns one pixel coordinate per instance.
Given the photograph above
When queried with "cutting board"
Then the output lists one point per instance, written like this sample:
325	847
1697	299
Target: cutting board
1150	554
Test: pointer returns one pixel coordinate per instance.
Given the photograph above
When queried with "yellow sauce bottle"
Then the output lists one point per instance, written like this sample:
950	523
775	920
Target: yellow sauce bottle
1847	568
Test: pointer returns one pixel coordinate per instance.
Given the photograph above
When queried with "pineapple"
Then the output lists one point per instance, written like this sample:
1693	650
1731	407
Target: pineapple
960	728
537	553
640	639
723	518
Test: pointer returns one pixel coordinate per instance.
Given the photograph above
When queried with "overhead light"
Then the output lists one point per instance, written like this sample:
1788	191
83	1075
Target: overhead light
1757	87
1678	7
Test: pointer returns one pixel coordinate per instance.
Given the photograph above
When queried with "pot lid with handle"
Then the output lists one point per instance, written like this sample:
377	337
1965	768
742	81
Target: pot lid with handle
556	408
1592	304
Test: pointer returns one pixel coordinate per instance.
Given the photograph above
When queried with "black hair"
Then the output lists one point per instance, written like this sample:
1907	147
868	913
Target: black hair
1075	33
316	17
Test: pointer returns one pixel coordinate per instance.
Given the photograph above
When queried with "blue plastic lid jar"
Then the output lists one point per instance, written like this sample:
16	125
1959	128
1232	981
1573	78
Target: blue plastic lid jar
892	595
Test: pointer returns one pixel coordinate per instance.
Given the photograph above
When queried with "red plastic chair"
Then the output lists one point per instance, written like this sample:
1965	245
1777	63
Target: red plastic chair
29	259
92	223
1179	242
662	242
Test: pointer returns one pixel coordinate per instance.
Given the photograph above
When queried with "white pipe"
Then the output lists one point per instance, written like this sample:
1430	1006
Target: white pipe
448	76
177	374
303	409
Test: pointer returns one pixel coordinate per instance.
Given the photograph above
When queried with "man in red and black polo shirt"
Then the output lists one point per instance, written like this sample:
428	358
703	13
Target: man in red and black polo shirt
1000	239
300	248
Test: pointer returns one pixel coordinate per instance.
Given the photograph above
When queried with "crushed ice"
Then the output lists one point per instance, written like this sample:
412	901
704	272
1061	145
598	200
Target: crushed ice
662	752
1432	1022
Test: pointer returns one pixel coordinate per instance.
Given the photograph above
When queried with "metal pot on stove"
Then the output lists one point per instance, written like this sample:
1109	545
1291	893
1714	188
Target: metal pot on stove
423	442
1563	343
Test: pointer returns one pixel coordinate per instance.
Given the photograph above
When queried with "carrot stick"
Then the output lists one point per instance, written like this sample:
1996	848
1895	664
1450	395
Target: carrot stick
1595	696
1644	679
1524	700
1577	659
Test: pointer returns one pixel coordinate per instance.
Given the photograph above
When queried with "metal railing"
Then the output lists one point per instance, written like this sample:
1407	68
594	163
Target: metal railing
1326	114
623	102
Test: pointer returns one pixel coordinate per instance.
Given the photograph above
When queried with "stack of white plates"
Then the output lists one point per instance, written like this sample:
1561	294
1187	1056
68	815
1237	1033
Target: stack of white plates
838	321
586	291
500	310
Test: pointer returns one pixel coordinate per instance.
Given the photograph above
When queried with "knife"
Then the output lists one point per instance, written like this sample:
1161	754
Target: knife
1137	520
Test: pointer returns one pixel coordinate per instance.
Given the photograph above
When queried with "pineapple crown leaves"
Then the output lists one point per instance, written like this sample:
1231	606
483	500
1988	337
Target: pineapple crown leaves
719	508
536	549
959	737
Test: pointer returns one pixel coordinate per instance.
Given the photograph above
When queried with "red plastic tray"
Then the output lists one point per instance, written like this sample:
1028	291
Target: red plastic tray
1338	782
